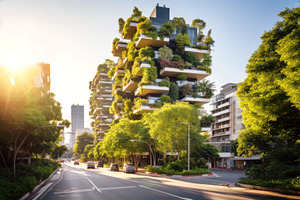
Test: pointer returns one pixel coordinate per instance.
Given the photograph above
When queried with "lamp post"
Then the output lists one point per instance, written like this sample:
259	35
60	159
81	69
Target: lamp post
188	143
154	158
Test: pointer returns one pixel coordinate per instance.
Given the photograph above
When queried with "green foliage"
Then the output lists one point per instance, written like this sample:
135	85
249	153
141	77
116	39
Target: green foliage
81	141
136	13
195	171
132	51
152	35
167	29
176	57
149	74
165	125
207	120
180	25
285	184
165	52
270	111
138	102
121	24
200	25
165	83
58	151
127	108
126	26
182	41
143	26
152	29
181	77
115	43
174	92
206	88
147	52
165	98
185	90
190	57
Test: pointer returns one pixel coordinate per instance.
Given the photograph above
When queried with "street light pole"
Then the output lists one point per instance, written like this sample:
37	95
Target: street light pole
188	143
154	158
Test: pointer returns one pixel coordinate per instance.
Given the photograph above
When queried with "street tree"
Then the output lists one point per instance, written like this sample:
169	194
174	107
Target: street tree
270	93
81	141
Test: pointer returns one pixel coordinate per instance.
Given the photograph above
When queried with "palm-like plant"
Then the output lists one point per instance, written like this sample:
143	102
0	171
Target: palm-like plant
206	88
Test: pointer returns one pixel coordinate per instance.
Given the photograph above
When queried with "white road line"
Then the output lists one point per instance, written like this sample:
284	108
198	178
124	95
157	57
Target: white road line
74	191
117	188
42	191
93	185
173	195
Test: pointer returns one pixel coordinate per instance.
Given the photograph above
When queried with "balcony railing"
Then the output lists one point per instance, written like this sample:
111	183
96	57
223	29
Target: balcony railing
190	73
142	67
199	100
223	119
221	112
144	41
150	89
130	87
121	46
199	52
143	109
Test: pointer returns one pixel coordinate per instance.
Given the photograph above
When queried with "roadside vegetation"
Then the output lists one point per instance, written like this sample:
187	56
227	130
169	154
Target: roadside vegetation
270	101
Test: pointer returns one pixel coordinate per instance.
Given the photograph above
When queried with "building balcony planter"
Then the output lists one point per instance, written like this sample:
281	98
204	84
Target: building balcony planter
150	89
142	67
130	87
118	72
144	41
199	100
143	109
131	30
117	51
199	52
190	73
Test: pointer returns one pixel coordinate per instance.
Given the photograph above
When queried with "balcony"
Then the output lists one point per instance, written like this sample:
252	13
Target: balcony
121	46
148	41
221	134
221	112
100	99
105	82
97	110
199	52
224	119
142	67
118	72
198	100
143	109
104	124
190	73
131	30
130	87
150	89
220	127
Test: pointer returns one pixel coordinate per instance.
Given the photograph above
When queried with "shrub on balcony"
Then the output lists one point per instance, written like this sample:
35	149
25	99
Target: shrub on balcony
149	74
132	51
180	25
152	29
190	57
165	52
182	41
143	26
111	72
195	95
167	29
186	90
152	35
164	82
121	24
146	52
138	102
115	43
207	69
165	98
176	57
181	77
174	92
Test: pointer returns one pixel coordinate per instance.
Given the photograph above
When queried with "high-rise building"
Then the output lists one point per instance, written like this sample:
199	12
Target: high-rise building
37	75
142	75
77	119
225	108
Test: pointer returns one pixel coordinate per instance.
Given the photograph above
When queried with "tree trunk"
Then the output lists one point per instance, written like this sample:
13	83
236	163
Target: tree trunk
178	151
263	165
164	157
16	150
4	162
136	161
151	156
37	160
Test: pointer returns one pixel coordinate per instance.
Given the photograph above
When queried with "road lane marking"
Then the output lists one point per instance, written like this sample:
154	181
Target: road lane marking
117	188
93	184
74	191
173	195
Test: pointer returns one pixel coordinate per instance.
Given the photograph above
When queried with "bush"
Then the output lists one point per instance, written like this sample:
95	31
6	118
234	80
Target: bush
195	171
43	172
254	172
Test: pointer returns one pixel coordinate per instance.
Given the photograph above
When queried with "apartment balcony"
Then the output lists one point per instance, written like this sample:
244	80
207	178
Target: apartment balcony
143	109
118	90
190	73
102	117
221	113
226	133
215	107
102	99
198	100
223	119
221	127
142	67
150	89
130	87
121	46
105	82
118	72
104	124
97	110
148	41
131	30
103	74
199	52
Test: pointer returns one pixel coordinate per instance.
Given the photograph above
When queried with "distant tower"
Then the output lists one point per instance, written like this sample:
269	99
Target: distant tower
77	120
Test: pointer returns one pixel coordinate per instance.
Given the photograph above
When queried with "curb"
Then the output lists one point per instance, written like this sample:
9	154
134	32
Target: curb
268	189
179	175
39	185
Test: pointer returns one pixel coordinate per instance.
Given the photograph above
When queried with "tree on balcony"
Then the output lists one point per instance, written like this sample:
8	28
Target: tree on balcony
206	88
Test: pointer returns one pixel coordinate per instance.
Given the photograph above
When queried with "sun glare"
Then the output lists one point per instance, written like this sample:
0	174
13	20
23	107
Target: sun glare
15	62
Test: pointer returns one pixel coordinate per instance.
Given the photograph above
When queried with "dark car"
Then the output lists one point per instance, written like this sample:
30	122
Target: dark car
114	167
100	163
91	165
128	168
76	162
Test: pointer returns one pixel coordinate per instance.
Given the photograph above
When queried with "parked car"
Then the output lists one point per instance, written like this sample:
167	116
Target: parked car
114	167
90	165
128	168
100	163
76	162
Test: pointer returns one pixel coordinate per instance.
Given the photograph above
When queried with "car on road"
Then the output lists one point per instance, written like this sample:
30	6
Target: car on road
128	168
100	163
90	165
76	162
114	167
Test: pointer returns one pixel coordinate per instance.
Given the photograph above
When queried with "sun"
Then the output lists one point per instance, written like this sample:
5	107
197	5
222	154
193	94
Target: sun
15	62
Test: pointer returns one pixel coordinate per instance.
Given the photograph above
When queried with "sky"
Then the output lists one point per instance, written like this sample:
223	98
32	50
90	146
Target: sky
75	36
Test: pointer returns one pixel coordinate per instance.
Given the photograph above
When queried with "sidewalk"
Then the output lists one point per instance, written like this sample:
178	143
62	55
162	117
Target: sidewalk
226	169
41	188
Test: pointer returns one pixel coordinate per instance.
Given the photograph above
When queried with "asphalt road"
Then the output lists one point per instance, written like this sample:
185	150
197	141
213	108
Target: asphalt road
79	183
